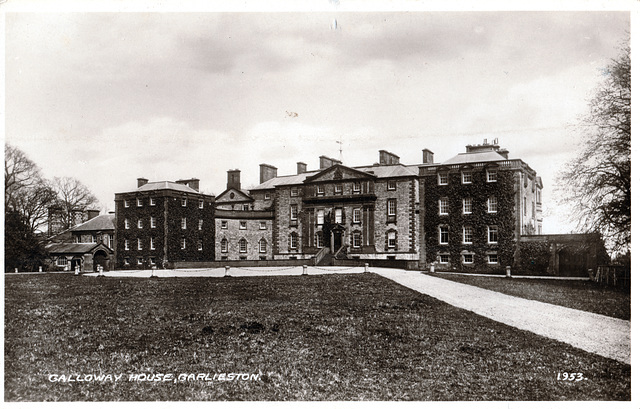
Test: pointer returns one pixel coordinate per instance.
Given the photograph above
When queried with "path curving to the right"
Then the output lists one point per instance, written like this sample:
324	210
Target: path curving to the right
605	336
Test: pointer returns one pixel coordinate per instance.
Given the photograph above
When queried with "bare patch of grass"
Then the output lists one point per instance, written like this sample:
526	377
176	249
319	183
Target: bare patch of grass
334	337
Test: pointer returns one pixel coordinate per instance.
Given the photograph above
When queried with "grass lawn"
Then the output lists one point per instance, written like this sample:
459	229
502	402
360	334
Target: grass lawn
581	295
332	337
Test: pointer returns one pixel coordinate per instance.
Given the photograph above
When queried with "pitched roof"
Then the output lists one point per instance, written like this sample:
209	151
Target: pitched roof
488	156
381	171
165	185
71	248
102	222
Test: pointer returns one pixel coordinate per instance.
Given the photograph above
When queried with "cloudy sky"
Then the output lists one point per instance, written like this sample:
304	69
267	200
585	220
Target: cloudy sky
110	97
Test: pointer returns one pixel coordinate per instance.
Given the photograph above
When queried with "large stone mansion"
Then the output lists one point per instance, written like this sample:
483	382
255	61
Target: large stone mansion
467	212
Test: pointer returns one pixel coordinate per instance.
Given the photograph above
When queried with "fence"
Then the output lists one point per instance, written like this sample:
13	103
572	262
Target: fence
402	264
615	275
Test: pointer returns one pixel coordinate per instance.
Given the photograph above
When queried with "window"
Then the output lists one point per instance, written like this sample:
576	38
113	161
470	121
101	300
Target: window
263	225
139	244
61	261
492	175
337	189
243	225
391	239
357	215
443	204
126	203
338	215
127	261
184	202
320	190
139	201
262	246
492	234
200	223
492	205
293	241
200	245
294	212
126	244
152	260
319	239
152	244
152	222
320	217
224	246
467	235
183	244
184	223
110	241
391	185
357	186
443	258
245	207
267	196
294	192
139	223
524	205
533	209
466	205
152	201
443	178
466	177
357	239
140	261
467	258
444	234
492	258
200	204
126	223
224	224
391	209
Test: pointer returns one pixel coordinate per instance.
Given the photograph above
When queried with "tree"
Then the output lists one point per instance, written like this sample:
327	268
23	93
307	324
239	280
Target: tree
598	181
22	249
25	190
73	197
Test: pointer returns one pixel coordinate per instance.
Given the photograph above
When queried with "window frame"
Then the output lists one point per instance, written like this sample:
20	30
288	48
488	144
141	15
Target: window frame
443	178
357	215
443	202
242	225
467	231
224	224
183	223
184	202
443	230
490	255
492	175
320	190
152	244
492	201
392	209
392	244
492	230
224	245
200	204
139	201
463	177
359	188
139	244
464	258
440	256
467	205
392	185
262	245
356	240
152	201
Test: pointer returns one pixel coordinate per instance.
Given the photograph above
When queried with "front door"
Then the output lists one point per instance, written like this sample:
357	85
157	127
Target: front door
337	240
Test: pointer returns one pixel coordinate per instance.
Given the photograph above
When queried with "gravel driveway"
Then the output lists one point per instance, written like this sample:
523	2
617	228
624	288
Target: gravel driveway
595	333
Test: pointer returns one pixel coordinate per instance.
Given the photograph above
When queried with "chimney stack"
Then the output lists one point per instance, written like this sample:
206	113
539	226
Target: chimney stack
326	162
142	182
302	167
267	172
92	213
193	183
427	157
233	179
388	158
